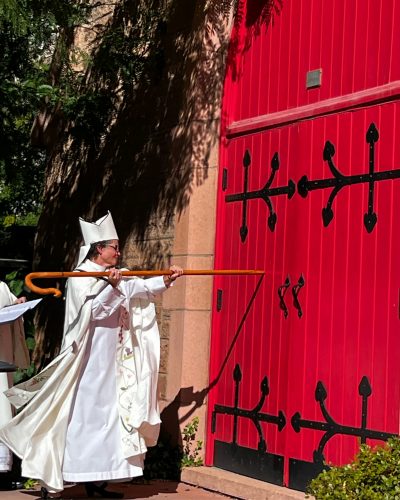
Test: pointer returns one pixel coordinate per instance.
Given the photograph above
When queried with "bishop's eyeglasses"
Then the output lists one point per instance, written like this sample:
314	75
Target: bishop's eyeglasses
115	247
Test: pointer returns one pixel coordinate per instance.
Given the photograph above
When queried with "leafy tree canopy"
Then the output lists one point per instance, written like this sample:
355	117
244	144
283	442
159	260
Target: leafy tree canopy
47	78
29	33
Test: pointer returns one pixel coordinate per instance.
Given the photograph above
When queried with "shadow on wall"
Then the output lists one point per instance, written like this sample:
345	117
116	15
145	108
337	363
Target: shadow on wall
139	136
187	401
255	16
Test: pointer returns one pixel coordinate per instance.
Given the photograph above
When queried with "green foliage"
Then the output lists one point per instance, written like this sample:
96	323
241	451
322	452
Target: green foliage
15	282
21	166
191	447
30	484
373	475
23	374
19	14
35	76
28	219
44	75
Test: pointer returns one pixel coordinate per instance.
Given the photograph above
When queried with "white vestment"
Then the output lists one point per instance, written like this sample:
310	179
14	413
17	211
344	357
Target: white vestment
94	409
13	350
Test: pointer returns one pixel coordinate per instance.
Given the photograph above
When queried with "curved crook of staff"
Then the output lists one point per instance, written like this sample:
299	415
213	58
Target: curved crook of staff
160	272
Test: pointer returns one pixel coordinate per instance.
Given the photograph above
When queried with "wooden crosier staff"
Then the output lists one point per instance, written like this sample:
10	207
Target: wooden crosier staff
160	272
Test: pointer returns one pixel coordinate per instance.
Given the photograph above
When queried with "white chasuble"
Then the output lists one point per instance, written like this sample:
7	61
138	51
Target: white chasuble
95	408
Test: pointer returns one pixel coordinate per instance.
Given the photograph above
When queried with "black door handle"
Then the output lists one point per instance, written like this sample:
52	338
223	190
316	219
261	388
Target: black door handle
295	292
281	294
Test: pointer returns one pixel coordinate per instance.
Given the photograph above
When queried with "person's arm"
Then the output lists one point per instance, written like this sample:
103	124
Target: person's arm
147	289
112	297
107	301
104	297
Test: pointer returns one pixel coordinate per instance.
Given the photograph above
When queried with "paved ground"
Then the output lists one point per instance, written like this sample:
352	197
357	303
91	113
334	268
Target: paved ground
156	489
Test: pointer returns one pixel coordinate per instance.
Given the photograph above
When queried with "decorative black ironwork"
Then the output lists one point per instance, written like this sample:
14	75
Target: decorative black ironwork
248	462
253	415
264	193
338	181
281	294
302	472
332	428
295	292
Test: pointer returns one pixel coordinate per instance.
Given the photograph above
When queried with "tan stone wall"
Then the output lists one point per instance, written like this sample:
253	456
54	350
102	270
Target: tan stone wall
189	306
186	314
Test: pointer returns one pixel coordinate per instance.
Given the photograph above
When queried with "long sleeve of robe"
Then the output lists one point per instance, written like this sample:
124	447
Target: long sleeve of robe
93	411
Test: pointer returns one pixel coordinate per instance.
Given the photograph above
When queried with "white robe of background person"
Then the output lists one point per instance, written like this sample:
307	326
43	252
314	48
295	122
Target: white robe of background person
98	399
12	350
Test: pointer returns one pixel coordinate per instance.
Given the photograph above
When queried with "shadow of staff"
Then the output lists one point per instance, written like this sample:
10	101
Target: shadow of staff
172	417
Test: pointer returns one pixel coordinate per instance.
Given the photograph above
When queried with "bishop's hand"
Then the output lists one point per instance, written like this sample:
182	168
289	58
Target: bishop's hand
176	271
114	277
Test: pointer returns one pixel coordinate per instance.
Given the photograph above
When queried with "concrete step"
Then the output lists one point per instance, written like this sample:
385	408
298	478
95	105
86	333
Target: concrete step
237	486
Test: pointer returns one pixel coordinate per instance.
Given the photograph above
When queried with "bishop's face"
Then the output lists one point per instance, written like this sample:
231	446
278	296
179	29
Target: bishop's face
109	254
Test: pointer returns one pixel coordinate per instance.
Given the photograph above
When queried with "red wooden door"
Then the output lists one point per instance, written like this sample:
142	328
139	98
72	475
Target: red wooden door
303	364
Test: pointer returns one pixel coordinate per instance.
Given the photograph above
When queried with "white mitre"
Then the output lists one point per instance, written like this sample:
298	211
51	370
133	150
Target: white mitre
101	230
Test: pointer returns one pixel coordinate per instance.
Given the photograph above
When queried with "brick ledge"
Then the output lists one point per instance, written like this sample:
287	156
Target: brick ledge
237	486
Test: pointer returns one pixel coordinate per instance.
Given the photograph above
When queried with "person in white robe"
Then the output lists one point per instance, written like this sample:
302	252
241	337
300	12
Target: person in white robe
90	415
13	353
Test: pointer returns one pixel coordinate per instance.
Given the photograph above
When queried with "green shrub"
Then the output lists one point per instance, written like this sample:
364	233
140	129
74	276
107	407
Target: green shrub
191	447
373	475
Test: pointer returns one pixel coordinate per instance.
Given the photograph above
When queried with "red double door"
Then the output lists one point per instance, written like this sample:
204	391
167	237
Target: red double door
305	363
